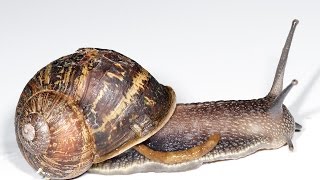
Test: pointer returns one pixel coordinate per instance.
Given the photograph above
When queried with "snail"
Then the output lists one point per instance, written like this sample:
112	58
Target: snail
243	126
99	111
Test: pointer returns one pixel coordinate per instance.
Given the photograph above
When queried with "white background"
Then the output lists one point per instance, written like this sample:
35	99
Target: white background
206	50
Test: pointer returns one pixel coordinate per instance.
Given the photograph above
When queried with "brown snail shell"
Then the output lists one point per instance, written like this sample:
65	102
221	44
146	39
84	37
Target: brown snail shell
87	107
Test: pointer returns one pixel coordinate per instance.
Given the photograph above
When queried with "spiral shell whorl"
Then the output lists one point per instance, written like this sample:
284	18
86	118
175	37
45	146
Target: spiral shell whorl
34	133
53	136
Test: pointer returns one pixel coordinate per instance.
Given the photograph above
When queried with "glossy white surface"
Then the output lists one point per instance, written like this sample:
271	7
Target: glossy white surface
206	50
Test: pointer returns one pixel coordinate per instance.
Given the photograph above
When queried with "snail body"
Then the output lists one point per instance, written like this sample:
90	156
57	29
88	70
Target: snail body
241	135
87	107
244	127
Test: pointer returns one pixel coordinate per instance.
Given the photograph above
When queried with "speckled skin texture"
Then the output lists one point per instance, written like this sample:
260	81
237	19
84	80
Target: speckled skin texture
87	107
244	127
236	121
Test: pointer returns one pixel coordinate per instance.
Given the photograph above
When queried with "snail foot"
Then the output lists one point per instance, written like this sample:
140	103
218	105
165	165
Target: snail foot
175	157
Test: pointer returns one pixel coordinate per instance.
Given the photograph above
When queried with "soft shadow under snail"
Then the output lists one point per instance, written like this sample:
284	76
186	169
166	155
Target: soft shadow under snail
99	111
